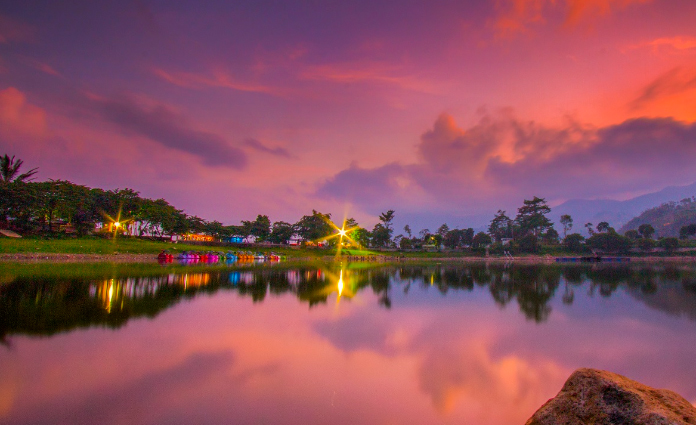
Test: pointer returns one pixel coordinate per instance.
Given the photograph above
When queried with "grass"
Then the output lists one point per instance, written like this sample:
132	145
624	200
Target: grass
101	246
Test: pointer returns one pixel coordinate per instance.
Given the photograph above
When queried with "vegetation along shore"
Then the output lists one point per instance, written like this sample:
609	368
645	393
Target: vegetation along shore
61	220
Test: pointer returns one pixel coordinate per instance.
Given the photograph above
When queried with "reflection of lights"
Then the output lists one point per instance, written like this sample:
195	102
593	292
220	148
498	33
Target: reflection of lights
111	296
340	284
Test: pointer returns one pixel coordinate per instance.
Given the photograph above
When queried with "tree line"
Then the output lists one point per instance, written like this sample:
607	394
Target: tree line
36	207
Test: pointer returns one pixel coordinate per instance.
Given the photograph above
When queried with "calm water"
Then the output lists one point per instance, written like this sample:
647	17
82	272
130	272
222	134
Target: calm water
439	344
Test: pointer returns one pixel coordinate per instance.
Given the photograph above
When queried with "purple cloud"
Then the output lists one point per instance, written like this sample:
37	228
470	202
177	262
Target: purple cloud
169	129
259	146
500	159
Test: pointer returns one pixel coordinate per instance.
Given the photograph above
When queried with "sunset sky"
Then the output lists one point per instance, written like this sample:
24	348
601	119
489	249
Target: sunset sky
441	110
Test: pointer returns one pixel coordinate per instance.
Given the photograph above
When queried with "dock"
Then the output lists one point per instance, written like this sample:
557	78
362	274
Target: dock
593	259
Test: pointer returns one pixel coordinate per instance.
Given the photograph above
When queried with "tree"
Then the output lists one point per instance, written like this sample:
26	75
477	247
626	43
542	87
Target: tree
384	229
686	231
574	242
281	232
407	229
361	236
261	227
424	234
610	242
646	230
9	170
387	218
442	230
589	228
669	244
551	236
468	237
646	244
531	216
567	222
454	238
632	234
381	235
529	243
17	201
602	227
213	228
501	226
314	227
406	243
481	240
195	224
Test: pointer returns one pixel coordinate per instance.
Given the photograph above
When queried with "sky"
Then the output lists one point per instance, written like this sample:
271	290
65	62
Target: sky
444	111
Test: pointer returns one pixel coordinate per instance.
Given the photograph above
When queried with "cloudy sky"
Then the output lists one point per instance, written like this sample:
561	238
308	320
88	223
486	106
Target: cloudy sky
440	110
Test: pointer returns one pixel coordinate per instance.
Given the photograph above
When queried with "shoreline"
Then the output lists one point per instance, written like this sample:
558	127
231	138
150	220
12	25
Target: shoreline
152	258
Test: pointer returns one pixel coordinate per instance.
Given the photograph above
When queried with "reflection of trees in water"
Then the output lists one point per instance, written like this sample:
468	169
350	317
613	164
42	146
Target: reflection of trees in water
532	287
48	306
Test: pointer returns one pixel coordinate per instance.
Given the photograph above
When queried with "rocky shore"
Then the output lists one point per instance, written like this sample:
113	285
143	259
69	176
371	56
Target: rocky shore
592	396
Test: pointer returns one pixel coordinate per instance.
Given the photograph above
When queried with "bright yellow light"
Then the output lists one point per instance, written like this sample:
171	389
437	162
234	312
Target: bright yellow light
341	232
117	224
340	284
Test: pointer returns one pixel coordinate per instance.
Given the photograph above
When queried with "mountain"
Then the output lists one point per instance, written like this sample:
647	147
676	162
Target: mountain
616	213
667	219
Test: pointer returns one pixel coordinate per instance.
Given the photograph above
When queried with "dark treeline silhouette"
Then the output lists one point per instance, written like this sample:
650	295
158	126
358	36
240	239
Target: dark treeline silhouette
62	206
49	305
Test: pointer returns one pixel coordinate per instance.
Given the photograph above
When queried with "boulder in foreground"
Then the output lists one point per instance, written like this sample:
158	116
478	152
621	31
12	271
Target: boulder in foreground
598	397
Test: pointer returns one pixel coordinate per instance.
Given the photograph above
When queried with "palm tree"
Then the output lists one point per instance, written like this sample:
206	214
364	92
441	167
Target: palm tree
9	168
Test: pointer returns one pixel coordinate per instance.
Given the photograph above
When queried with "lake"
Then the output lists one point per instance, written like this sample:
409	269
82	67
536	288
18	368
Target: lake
331	343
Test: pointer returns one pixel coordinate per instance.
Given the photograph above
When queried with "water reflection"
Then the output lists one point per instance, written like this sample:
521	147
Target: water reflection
434	344
50	305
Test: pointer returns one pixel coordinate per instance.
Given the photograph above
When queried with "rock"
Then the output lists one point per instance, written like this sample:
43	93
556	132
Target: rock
598	397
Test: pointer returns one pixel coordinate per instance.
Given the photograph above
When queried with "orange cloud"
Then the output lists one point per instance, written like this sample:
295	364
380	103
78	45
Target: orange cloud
18	117
670	94
676	43
516	16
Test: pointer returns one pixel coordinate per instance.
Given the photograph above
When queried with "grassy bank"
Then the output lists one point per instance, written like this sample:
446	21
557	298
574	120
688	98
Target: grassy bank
125	246
100	246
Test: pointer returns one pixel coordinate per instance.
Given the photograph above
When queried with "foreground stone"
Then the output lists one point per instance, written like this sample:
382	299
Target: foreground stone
593	396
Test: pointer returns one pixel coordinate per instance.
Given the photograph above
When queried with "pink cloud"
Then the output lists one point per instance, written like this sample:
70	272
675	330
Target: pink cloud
378	73
502	158
218	78
19	117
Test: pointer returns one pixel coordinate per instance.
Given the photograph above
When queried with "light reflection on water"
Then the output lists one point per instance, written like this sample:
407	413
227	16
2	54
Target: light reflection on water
476	344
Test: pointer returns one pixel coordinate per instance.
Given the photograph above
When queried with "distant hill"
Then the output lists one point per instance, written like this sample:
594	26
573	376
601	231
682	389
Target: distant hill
666	219
617	213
